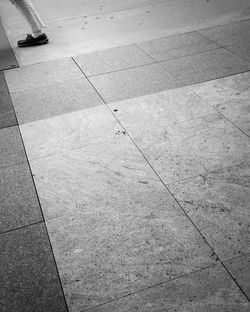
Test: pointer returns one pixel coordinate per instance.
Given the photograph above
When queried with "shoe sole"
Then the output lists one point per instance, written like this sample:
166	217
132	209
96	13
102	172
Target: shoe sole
34	43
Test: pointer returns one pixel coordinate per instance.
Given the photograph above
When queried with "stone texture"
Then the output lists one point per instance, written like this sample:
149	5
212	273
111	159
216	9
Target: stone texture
242	49
69	131
133	82
177	46
102	256
210	290
29	280
240	269
166	107
206	66
18	202
231	34
230	96
182	149
218	204
7	115
41	103
42	74
11	147
98	177
105	61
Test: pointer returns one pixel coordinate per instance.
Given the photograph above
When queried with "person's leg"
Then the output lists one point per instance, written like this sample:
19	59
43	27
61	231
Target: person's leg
35	22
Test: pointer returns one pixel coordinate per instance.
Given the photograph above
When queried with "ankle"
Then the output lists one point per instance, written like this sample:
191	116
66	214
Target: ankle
37	34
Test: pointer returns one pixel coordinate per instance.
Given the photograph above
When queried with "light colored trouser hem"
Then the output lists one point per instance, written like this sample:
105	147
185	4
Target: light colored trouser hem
30	14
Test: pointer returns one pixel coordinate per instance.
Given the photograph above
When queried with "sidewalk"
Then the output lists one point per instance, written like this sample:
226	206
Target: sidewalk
124	172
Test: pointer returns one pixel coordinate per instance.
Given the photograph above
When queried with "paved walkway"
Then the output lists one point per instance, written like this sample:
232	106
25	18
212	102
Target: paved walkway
124	174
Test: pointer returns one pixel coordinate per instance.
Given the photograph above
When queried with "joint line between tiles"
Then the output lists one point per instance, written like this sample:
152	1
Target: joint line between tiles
21	227
178	57
120	70
221	114
225	47
152	286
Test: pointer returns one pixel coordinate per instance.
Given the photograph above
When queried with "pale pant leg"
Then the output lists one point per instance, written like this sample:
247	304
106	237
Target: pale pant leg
30	14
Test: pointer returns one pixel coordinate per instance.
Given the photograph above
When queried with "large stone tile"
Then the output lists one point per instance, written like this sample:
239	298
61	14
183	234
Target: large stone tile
240	269
230	96
209	290
206	66
134	82
110	253
177	46
29	280
18	202
7	115
242	49
42	75
177	146
11	147
218	204
112	60
69	131
41	103
231	34
98	177
166	107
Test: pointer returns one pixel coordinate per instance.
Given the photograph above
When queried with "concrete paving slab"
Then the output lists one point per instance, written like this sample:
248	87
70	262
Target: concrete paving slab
206	66
18	201
69	131
209	290
119	28
11	147
133	82
218	204
177	46
240	269
231	34
53	100
185	149
230	96
42	75
112	60
166	107
29	280
242	49
102	256
7	115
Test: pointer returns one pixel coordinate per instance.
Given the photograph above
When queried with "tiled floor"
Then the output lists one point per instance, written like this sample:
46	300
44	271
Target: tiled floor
7	115
78	27
134	194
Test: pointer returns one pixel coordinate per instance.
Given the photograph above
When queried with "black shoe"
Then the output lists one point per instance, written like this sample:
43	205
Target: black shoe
31	41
